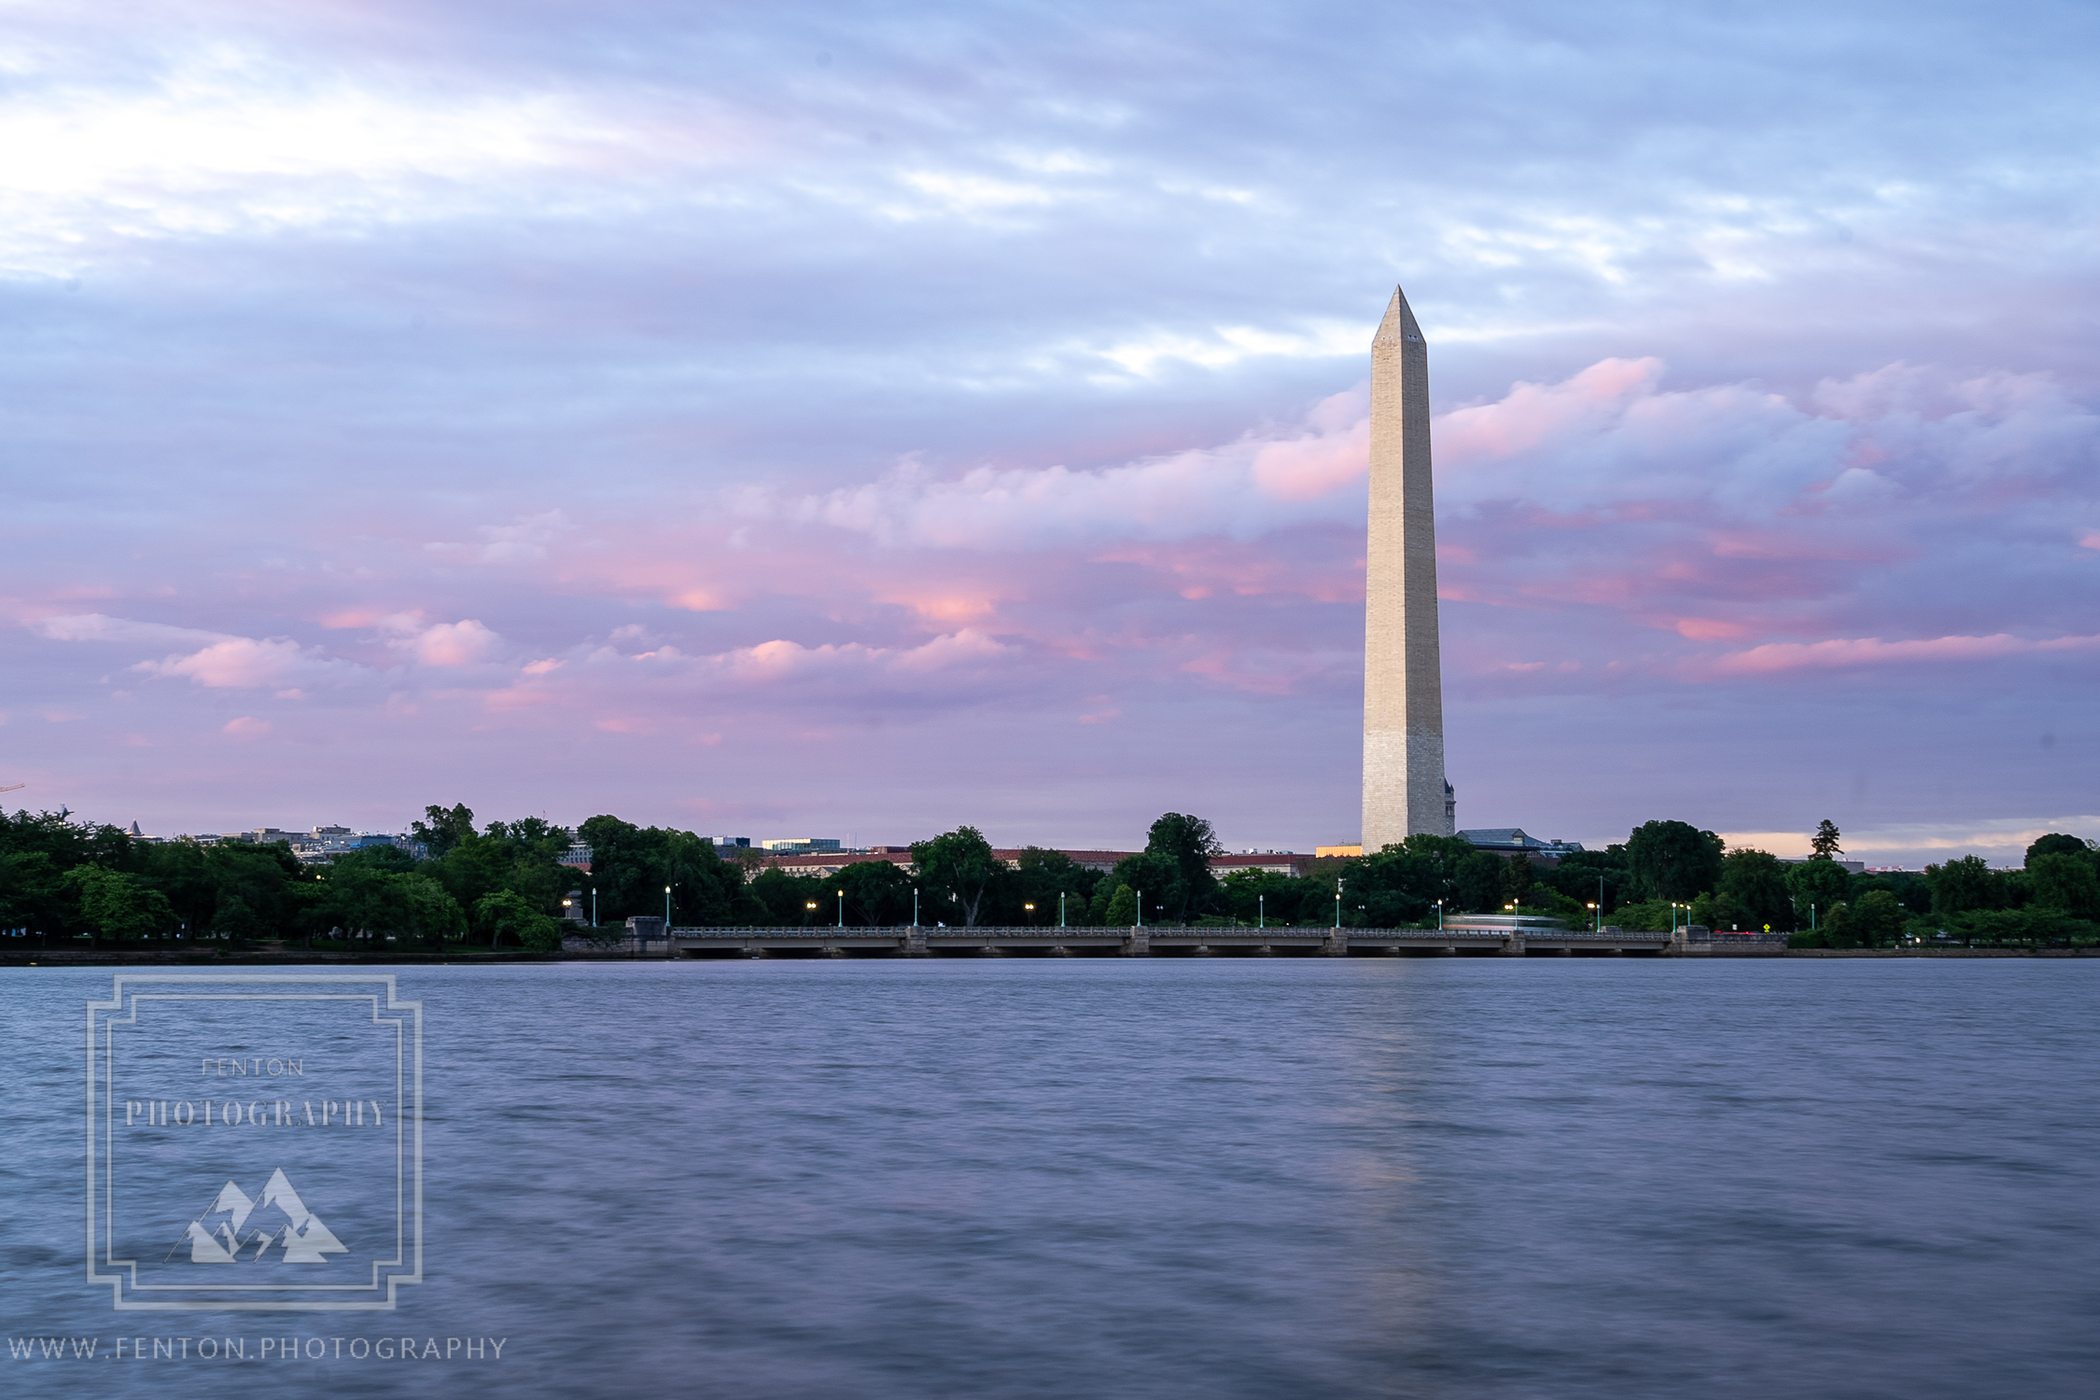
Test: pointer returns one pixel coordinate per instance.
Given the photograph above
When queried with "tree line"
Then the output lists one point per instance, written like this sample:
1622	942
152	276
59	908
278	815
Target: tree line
502	885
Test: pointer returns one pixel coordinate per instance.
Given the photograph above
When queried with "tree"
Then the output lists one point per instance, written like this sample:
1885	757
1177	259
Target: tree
1151	878
116	905
1824	843
877	892
507	917
2057	843
1122	908
1754	884
442	828
958	863
1874	920
1673	860
1819	885
1477	884
1962	885
1187	844
1040	877
2064	882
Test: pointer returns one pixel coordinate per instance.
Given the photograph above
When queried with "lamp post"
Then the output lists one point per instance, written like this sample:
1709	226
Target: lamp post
1337	901
594	906
1141	908
667	921
914	906
1597	919
1028	913
842	908
810	914
1060	908
1261	911
1440	916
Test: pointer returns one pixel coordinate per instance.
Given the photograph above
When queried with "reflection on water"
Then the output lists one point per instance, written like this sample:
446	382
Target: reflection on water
1236	1178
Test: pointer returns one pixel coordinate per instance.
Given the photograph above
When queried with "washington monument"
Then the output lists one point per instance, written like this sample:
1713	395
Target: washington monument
1404	788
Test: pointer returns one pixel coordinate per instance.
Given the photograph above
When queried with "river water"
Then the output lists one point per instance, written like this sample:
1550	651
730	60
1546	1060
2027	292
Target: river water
1184	1178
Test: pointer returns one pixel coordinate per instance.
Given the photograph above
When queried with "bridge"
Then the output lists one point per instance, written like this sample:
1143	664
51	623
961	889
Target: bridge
1502	939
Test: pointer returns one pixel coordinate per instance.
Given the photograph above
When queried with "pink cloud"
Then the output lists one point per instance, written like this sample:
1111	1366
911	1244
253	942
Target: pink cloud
1873	651
242	663
245	727
461	643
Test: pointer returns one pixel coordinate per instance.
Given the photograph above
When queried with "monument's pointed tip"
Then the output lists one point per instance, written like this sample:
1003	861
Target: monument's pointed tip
1399	322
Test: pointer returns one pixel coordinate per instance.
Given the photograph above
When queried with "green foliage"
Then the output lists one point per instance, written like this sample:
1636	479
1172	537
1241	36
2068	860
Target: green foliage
1819	883
2058	843
1964	885
877	893
370	899
1824	843
1122	910
1874	920
1039	876
630	865
1477	883
116	905
2036	925
1185	844
506	917
1753	889
1651	917
443	828
2065	882
959	865
1673	860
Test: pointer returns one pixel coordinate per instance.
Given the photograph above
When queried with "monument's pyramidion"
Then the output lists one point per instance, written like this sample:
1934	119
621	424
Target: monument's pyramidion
1404	788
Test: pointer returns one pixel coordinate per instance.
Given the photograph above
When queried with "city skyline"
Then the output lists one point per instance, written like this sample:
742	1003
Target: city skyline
873	426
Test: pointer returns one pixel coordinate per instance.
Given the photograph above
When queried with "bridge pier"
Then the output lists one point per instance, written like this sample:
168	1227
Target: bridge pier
1335	945
1513	946
915	943
1137	945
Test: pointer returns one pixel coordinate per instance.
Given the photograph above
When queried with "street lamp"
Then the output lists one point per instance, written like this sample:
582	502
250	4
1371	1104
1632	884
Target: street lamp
810	906
1028	909
1261	911
1440	916
1337	901
1141	908
1597	910
842	908
914	906
1060	908
667	921
594	906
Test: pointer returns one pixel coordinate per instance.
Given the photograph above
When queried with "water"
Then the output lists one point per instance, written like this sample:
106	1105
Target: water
1169	1178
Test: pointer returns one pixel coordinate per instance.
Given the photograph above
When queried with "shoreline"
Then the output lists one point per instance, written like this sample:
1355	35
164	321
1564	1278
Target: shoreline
128	957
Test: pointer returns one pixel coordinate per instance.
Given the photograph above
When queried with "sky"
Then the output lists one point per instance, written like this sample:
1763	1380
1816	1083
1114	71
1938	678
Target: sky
857	421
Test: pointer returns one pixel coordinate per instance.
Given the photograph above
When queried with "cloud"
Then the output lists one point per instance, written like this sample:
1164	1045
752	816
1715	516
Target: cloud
1841	653
245	727
1240	489
247	663
461	643
525	540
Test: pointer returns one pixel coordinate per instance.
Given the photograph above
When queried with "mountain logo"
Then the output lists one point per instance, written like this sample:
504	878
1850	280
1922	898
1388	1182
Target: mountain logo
237	1228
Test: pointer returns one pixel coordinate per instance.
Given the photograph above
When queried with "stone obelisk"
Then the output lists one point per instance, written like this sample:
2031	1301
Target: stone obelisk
1404	788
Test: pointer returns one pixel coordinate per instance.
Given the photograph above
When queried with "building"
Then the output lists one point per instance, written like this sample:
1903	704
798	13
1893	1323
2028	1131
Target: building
787	845
1404	791
1515	841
